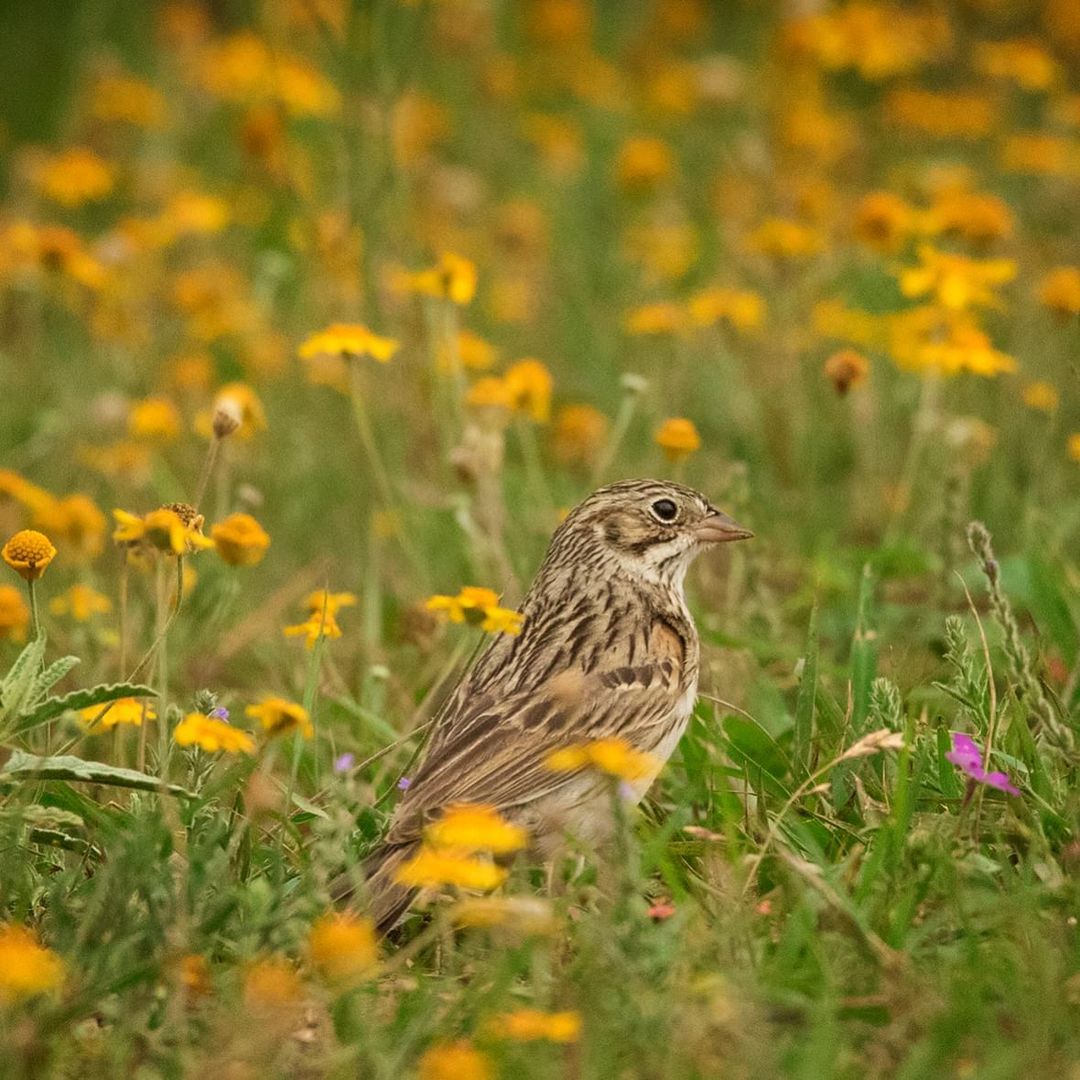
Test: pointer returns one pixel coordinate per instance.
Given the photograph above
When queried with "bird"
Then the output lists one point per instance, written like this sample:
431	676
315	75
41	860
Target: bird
607	649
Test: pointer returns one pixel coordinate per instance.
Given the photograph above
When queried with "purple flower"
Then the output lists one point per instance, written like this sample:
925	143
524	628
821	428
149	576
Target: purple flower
220	713
344	763
404	784
967	757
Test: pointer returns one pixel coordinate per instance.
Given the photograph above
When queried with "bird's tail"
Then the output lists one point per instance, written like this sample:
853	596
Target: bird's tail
386	899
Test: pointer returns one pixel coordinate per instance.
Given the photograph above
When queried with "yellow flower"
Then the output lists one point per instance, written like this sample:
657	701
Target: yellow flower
155	419
955	281
782	238
1041	396
942	114
237	399
451	278
526	914
478	607
36	499
468	828
81	603
454	1061
126	100
175	529
846	369
977	217
271	983
342	947
612	756
473	353
883	221
1059	291
14	614
29	553
1073	446
27	968
529	1025
318	625
349	339
1025	62
833	319
579	434
1038	154
678	438
77	521
75	177
332	603
948	341
652	319
194	975
212	735
125	711
739	308
643	164
430	867
240	540
278	717
529	384
490	392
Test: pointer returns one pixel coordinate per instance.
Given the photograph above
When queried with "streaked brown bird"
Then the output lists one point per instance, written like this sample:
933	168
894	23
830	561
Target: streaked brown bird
608	649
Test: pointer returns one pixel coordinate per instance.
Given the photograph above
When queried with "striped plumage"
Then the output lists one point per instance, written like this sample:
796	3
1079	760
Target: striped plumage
607	649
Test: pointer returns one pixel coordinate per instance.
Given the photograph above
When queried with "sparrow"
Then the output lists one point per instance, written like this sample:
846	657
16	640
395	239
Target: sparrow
607	649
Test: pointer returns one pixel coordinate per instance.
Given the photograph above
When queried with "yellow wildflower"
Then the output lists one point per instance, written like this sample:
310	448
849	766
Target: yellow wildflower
28	553
782	238
846	369
678	438
1025	62
212	735
643	164
884	221
75	177
165	529
319	624
834	319
332	603
490	392
124	99
342	947
653	319
470	828
478	607
1073	446
579	434
955	281
80	602
278	717
1038	154
612	756
429	868
14	614
741	309
529	385
128	712
529	1025
948	341
1059	291
77	522
454	1061
36	499
941	114
240	540
1041	396
473	353
451	278
155	419
349	339
27	968
977	217
271	983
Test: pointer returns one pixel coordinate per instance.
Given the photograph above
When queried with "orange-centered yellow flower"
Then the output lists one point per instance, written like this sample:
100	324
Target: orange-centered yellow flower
529	385
431	867
613	756
125	711
212	735
279	717
478	607
318	625
240	540
451	278
175	529
476	828
454	1061
332	603
955	281
678	438
342	947
28	553
27	968
349	339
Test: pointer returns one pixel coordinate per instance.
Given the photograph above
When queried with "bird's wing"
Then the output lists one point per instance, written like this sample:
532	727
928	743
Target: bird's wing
495	751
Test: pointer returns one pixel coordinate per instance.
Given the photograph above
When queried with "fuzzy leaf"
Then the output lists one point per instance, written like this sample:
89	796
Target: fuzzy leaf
79	699
16	688
52	675
22	766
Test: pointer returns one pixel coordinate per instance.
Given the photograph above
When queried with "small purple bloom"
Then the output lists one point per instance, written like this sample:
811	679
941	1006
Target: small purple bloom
220	713
967	757
627	793
344	763
404	784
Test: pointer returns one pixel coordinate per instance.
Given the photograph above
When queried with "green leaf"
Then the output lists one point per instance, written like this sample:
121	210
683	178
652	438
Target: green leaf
51	676
18	684
22	766
804	704
77	700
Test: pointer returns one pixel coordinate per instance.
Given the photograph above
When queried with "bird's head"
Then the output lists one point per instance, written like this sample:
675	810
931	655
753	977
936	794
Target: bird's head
652	528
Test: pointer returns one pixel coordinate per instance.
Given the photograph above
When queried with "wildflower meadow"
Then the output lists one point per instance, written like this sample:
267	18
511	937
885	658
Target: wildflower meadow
316	318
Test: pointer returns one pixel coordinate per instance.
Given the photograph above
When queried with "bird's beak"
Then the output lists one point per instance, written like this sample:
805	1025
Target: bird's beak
718	528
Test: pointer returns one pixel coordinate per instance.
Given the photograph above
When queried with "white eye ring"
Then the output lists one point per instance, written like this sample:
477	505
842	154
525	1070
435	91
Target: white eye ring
665	511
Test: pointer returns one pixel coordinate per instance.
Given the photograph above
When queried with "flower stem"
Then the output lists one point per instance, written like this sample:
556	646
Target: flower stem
34	608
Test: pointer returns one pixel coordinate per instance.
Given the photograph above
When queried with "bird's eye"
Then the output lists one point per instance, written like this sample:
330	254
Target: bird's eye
665	510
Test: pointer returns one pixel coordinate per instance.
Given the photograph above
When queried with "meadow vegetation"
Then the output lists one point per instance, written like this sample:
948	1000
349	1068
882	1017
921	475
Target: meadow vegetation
316	316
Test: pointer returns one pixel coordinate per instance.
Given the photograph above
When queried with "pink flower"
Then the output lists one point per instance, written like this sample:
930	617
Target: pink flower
967	757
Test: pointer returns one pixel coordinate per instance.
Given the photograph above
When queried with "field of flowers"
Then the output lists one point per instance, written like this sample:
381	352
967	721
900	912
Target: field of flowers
316	316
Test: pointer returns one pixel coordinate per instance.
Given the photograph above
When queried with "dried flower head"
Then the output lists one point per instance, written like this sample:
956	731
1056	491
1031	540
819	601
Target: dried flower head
846	369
